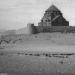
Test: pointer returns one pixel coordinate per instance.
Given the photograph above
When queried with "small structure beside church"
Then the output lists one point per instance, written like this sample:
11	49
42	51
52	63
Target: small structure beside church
52	21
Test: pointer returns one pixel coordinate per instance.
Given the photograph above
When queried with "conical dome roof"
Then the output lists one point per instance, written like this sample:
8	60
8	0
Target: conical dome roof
52	8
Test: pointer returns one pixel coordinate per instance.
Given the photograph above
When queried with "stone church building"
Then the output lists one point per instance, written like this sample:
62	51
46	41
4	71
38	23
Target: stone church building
52	21
53	17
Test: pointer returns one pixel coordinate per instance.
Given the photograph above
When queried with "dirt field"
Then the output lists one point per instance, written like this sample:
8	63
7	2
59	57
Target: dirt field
41	54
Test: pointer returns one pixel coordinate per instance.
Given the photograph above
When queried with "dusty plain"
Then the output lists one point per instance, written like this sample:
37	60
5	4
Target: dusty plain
39	54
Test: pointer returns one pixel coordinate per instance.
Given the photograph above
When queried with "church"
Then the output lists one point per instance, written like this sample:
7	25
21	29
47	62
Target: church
52	21
53	17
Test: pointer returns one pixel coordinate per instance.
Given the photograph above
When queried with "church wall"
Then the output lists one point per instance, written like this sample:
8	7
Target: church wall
50	29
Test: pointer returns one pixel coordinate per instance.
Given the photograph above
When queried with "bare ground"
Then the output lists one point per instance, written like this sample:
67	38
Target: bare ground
42	54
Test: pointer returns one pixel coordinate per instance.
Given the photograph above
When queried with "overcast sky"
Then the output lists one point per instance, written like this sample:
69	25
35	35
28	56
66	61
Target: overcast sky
16	14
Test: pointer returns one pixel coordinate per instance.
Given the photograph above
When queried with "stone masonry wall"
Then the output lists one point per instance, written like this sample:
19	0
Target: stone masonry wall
49	29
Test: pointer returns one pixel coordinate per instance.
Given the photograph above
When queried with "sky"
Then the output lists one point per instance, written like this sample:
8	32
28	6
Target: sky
15	14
